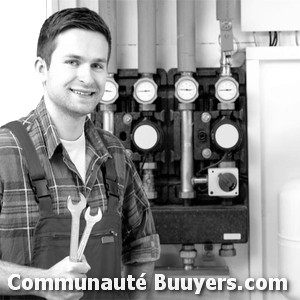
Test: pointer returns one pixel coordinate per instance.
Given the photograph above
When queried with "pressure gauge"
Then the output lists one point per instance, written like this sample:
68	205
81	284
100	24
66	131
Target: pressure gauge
227	89
186	89
145	90
111	93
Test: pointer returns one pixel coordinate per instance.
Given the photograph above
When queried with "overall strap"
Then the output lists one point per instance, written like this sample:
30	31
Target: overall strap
110	179
111	184
36	173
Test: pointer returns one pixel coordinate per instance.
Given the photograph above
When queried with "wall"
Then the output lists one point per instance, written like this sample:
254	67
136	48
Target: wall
19	28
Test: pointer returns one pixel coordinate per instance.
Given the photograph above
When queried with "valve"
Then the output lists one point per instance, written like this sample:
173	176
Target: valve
227	182
227	250
148	179
188	253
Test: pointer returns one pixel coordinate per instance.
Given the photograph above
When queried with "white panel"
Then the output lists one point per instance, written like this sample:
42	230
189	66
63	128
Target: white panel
274	148
91	4
62	4
270	15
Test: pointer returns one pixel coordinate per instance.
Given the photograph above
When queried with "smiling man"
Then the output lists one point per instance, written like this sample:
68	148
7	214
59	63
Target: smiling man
72	57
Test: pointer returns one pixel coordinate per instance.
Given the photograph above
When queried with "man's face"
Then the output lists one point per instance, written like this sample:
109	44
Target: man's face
75	80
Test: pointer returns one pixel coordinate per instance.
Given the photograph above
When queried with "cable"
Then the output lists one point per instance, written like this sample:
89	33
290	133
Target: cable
273	40
296	38
255	39
210	166
270	38
143	163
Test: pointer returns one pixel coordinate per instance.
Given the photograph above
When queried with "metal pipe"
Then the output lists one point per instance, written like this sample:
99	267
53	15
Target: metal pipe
108	11
186	63
146	36
225	64
186	35
199	180
148	180
108	116
108	121
187	166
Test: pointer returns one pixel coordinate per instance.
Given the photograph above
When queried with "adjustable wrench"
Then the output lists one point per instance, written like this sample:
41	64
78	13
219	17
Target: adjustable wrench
75	210
90	222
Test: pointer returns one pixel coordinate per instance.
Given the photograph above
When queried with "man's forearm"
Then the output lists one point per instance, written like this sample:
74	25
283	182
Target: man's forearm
7	269
136	270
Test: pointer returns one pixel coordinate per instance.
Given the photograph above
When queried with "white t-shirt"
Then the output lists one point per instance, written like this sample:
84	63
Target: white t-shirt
76	151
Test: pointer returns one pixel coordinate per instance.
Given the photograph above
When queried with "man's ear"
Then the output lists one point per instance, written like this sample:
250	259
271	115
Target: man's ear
41	69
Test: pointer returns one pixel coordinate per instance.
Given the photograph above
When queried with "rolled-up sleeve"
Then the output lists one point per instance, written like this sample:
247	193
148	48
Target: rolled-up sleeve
140	240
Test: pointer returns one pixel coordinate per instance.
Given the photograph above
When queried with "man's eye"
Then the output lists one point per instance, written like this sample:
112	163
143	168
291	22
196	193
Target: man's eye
73	63
98	66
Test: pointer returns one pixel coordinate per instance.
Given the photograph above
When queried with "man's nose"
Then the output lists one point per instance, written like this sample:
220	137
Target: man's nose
84	74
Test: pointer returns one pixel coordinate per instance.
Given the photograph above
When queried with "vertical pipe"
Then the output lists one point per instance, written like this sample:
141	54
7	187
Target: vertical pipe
187	167
186	65
108	11
225	65
186	35
146	36
108	120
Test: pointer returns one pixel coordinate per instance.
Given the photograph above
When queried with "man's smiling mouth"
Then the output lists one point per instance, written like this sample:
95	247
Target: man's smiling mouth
82	93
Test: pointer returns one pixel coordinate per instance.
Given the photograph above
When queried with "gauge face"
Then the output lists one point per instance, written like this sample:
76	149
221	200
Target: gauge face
227	89
145	91
186	89
111	92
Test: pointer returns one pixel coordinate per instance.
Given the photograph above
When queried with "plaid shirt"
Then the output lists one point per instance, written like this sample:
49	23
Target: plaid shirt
20	212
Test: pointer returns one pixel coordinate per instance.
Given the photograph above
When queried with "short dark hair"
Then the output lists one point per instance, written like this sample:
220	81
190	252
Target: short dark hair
69	18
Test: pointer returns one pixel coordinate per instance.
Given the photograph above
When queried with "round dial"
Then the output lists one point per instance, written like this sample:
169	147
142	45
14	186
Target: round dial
186	89
111	93
227	89
145	91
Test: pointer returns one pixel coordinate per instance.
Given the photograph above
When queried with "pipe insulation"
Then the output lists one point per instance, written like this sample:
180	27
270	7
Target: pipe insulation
108	11
186	35
146	36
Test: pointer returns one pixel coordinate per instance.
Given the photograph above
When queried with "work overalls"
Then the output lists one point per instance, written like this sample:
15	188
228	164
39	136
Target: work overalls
103	250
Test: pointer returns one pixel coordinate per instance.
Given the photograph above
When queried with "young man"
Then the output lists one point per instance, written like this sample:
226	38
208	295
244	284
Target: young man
72	58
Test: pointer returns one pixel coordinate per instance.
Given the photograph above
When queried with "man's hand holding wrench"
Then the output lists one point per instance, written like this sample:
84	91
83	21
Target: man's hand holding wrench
76	252
75	210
